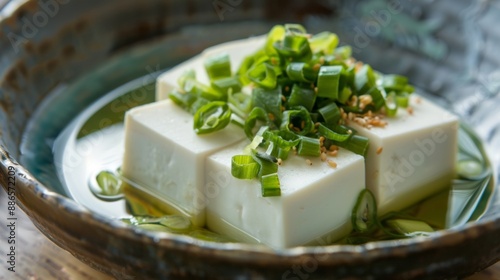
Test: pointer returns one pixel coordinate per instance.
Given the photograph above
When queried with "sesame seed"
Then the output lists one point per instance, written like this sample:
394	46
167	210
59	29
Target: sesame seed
323	156
379	150
333	153
332	163
280	161
309	162
409	110
271	116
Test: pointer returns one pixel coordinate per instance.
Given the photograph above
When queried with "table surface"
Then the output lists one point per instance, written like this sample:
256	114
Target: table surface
38	258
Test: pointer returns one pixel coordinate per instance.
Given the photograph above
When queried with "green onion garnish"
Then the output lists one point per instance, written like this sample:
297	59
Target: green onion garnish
364	213
218	66
212	117
328	81
244	167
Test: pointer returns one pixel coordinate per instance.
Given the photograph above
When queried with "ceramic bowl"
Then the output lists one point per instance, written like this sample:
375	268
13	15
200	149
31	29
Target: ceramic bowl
447	48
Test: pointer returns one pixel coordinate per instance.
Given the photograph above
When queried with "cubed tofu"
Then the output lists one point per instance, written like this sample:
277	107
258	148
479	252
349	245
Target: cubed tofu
166	157
315	203
412	157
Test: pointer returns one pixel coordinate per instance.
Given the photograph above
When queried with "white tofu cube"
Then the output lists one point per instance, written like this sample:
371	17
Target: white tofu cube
315	203
412	157
167	158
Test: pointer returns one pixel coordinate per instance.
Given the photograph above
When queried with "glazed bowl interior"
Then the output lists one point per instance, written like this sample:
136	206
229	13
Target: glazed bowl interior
71	53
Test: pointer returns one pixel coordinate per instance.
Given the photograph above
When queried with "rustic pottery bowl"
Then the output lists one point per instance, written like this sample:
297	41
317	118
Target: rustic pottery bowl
447	48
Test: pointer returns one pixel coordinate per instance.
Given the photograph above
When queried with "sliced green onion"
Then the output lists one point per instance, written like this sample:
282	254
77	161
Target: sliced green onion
325	42
295	47
297	120
282	141
263	75
108	184
270	101
356	144
302	97
218	66
344	95
244	167
328	81
344	52
182	99
240	103
224	85
188	74
364	79
270	185
295	28
204	91
301	72
257	114
246	64
330	114
200	102
391	104
395	83
275	35
364	213
268	174
410	228
332	135
377	97
212	117
309	146
403	99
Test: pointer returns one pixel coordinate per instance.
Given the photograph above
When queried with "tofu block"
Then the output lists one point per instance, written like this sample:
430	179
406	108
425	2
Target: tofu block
237	51
315	203
416	155
166	157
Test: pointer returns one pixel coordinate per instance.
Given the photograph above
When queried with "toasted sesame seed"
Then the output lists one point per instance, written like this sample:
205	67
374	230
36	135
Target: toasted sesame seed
379	150
280	161
409	110
333	153
316	67
271	116
333	148
309	162
323	156
349	131
332	163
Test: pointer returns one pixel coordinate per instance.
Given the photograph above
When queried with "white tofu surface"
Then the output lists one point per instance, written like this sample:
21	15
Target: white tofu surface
315	203
164	155
418	155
